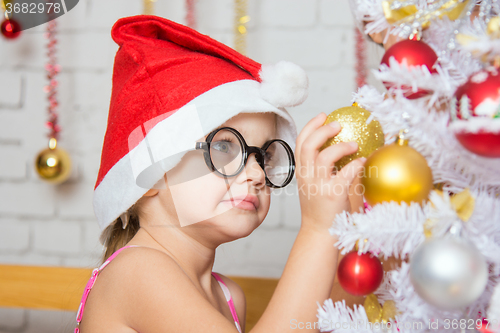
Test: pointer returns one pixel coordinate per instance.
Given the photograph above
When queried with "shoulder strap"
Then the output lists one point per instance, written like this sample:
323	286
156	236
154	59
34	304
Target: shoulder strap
229	300
111	257
91	283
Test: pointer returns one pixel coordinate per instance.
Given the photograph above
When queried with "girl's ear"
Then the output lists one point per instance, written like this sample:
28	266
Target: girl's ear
378	37
383	40
152	192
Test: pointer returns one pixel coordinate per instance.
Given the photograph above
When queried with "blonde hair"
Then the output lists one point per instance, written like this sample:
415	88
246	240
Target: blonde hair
115	236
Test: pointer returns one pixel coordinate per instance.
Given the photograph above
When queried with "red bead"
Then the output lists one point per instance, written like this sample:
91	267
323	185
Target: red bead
482	143
11	29
485	324
360	274
416	53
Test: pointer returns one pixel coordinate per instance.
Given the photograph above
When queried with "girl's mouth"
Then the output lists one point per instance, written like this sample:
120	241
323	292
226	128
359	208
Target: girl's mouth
248	202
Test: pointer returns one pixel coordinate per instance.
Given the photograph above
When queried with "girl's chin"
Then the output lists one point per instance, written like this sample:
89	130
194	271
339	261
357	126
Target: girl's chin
244	229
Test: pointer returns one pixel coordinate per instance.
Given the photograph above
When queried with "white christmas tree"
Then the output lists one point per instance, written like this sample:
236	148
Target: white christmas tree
465	34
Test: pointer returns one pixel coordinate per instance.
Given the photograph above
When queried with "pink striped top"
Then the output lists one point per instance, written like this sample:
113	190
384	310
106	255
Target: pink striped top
96	271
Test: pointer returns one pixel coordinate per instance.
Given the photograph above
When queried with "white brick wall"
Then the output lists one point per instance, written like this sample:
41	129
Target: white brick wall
12	320
14	236
43	224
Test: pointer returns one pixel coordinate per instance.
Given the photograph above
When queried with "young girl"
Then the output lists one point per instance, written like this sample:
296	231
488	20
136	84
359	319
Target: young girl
197	138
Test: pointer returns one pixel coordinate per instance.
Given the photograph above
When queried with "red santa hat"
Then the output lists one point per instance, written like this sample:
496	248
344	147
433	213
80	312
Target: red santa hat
171	87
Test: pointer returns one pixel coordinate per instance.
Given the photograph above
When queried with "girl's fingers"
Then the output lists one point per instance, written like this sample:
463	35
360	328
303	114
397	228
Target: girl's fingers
345	177
312	144
325	161
310	127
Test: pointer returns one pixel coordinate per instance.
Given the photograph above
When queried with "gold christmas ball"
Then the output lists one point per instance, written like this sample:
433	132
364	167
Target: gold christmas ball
353	119
53	165
397	173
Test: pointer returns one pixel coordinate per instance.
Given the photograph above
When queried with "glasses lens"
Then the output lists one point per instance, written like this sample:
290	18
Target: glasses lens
277	163
226	152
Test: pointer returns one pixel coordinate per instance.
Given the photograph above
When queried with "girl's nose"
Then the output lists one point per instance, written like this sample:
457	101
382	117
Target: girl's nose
254	172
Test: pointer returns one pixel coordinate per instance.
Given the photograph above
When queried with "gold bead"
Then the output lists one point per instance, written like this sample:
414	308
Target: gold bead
373	309
389	311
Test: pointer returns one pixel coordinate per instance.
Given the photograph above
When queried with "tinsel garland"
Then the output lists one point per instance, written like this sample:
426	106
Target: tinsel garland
240	20
149	8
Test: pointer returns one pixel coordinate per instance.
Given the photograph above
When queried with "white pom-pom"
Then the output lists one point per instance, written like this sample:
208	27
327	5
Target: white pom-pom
283	84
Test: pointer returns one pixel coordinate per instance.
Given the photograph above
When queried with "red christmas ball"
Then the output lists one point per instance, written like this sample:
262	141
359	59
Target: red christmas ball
415	53
482	143
11	29
479	96
475	114
360	275
485	324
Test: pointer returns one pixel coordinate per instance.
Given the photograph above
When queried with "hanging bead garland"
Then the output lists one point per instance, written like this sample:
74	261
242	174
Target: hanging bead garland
190	14
52	68
240	30
52	164
361	72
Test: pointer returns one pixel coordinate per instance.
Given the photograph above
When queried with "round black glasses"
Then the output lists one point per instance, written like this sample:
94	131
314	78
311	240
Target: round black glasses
226	153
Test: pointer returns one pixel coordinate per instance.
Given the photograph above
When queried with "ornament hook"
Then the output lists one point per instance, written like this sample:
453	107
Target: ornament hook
52	143
401	140
415	35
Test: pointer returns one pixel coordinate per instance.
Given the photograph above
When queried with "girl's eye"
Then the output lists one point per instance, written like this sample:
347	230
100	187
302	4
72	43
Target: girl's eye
268	159
223	146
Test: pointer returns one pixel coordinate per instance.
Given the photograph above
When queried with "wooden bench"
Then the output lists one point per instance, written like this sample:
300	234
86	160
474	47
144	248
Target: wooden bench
61	288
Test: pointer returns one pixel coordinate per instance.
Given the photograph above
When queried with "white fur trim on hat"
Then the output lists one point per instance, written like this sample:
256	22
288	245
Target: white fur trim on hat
283	84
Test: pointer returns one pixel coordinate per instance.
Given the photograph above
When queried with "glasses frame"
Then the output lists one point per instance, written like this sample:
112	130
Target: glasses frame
247	151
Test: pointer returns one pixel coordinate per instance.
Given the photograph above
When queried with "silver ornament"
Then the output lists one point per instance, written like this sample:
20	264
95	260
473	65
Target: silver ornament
448	273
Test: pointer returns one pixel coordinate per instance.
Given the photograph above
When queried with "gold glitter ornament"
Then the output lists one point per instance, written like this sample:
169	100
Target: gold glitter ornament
53	164
353	119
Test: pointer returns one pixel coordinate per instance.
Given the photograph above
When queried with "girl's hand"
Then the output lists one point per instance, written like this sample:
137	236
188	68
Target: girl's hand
323	192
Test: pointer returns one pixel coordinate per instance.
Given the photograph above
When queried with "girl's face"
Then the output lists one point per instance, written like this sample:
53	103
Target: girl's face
204	199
